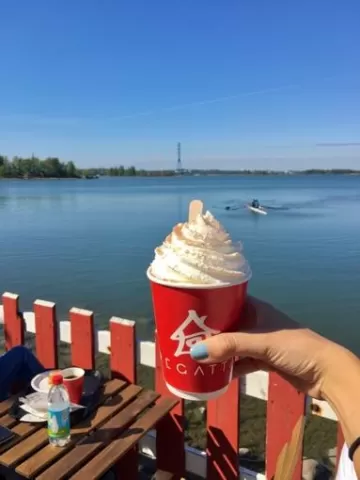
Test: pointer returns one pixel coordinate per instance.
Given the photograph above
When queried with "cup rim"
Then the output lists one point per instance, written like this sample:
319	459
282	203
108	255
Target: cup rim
193	286
77	371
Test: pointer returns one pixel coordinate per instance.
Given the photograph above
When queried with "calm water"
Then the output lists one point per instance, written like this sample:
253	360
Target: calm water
88	243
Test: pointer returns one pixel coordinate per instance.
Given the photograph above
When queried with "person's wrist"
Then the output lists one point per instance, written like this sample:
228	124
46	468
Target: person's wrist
341	366
340	388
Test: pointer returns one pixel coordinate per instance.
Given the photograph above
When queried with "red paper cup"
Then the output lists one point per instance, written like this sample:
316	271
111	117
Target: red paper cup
74	383
187	314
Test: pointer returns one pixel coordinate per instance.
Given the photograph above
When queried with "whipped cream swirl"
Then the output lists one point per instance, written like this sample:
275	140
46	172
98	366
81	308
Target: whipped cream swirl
200	252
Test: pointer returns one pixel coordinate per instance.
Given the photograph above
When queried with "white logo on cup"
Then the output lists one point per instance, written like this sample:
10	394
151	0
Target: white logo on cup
185	342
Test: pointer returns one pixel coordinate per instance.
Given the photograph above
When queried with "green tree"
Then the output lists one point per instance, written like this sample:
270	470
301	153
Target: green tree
131	171
33	167
71	171
52	168
18	166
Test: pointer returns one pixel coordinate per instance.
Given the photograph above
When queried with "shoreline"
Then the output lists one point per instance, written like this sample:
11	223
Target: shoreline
275	174
41	178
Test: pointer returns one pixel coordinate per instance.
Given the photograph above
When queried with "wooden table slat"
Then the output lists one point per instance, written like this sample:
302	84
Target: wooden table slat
105	411
6	404
25	429
89	446
112	387
23	446
7	421
162	475
22	432
48	455
104	460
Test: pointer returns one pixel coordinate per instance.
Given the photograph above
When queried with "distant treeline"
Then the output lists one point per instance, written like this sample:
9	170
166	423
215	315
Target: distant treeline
132	172
34	167
52	167
127	172
334	171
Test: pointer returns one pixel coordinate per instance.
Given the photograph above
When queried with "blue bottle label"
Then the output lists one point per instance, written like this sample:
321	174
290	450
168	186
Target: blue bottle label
58	423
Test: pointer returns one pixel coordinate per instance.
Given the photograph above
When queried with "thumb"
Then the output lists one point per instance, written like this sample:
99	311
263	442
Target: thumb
227	345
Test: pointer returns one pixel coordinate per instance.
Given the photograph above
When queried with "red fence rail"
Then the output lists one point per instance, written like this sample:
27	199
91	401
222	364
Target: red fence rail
284	408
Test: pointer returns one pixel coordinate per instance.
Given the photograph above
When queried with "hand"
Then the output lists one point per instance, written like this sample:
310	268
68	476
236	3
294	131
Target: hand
275	343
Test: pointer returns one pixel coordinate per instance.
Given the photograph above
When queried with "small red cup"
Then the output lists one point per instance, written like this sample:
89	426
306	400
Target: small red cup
187	314
74	383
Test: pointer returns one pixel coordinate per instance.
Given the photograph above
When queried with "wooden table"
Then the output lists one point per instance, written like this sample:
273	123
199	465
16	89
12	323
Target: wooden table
125	414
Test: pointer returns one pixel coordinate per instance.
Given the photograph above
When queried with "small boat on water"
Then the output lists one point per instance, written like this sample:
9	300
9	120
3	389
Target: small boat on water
259	209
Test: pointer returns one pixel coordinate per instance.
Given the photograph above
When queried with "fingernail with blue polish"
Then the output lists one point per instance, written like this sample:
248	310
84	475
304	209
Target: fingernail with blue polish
199	351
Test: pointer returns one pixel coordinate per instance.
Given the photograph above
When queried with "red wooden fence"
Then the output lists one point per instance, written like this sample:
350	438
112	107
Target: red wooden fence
285	405
46	333
123	365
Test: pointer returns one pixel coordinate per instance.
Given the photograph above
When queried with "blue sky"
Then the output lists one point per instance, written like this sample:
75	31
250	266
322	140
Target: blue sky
241	83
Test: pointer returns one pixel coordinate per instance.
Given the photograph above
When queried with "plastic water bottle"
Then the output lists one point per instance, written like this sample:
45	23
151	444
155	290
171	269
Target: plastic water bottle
58	412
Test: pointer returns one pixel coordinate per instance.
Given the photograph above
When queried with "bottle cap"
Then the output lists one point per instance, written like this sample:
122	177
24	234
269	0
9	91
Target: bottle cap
56	379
